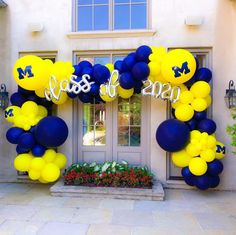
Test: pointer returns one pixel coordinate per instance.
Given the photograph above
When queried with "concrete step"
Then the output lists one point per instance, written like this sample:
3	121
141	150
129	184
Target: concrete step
156	193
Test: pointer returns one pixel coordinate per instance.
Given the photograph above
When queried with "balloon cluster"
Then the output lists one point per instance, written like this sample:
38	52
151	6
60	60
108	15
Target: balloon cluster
46	168
34	132
189	136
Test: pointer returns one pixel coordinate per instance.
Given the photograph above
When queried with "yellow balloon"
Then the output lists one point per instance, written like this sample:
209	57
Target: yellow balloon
208	155
29	108
110	67
40	92
22	162
34	175
43	181
197	166
195	134
30	72
186	97
37	163
184	112
211	142
176	104
199	104
208	100
193	150
49	155
220	150
50	172
11	112
125	94
42	111
200	89
178	66
62	70
155	68
160	78
63	98
60	160
106	97
181	158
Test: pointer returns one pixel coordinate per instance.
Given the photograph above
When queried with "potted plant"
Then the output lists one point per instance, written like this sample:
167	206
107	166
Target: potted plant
231	130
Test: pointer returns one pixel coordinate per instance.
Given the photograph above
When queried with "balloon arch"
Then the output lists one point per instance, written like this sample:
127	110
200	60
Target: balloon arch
151	71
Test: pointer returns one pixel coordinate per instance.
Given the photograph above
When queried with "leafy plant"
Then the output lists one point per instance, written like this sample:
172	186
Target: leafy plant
108	174
231	130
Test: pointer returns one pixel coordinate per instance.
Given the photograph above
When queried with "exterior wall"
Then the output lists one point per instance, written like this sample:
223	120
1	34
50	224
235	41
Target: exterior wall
167	18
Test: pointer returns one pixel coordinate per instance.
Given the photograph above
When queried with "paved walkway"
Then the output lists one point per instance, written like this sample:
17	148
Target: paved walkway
29	209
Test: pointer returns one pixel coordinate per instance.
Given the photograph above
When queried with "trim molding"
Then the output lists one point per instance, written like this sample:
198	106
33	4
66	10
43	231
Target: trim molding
111	34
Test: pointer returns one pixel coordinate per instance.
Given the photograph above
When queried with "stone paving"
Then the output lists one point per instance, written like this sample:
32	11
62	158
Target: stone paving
29	209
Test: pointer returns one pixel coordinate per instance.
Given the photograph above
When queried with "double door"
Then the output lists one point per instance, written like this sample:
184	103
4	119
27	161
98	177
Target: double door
113	131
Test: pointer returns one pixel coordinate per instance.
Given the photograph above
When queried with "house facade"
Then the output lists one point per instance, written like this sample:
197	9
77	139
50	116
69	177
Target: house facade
103	31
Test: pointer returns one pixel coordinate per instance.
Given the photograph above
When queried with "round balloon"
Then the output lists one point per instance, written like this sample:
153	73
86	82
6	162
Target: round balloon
172	135
202	182
22	162
30	72
38	150
178	66
198	166
13	134
215	167
181	158
220	150
11	112
17	99
51	131
207	125
50	172
26	141
184	112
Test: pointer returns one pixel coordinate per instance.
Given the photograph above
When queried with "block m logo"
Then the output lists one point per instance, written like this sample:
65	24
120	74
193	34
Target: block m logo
179	71
9	113
220	149
28	71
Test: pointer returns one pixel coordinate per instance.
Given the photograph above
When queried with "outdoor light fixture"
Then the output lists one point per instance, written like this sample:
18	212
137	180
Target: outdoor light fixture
4	99
230	95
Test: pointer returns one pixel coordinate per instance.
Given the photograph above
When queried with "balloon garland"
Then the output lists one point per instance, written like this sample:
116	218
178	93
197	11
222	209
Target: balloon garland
152	71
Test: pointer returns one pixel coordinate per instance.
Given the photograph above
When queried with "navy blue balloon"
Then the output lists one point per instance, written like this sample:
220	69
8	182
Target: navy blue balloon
85	97
138	86
20	150
190	82
128	62
126	80
200	115
17	99
38	150
172	135
44	102
25	92
140	71
13	134
101	74
33	98
84	64
207	125
26	141
192	124
78	70
51	132
202	182
72	95
214	181
94	89
215	167
118	66
203	74
89	71
189	178
197	62
142	53
32	129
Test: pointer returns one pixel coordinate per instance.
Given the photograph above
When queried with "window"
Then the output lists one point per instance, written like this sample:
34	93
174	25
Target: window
114	130
92	15
204	59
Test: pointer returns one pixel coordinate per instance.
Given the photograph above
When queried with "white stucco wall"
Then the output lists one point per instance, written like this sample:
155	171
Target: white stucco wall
218	31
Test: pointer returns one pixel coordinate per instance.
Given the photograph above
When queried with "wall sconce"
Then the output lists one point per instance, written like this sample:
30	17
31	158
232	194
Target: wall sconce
230	95
193	20
35	27
4	99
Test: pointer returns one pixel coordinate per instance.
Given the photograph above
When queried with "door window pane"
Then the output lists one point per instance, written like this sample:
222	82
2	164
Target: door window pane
129	121
84	2
101	60
101	17
101	1
94	130
85	18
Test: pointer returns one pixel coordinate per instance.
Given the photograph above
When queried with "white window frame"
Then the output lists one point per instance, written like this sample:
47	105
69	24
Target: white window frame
110	17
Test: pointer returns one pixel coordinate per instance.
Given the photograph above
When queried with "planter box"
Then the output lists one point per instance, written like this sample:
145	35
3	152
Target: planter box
156	193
